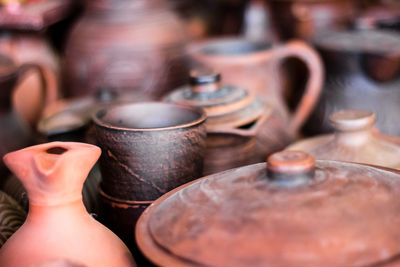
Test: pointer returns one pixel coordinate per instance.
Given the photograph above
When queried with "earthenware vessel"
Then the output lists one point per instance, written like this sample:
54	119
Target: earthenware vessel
134	46
354	140
362	72
292	211
15	132
304	18
254	65
58	225
12	216
238	122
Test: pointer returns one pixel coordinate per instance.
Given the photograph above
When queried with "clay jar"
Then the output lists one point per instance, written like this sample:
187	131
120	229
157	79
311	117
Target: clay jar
305	18
292	211
132	46
362	72
14	133
254	64
148	150
238	122
58	225
354	140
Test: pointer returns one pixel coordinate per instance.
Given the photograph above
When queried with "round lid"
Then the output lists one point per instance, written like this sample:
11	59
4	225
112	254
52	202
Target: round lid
291	212
354	140
369	41
225	105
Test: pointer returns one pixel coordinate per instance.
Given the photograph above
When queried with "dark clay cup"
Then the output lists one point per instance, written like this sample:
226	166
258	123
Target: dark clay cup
149	148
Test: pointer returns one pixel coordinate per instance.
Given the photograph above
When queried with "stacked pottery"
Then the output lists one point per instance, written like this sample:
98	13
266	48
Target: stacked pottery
131	46
362	72
58	226
292	211
354	140
148	150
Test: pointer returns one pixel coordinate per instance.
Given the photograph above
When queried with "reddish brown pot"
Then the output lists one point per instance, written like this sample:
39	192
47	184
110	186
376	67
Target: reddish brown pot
354	141
294	211
305	18
149	148
253	65
134	46
58	225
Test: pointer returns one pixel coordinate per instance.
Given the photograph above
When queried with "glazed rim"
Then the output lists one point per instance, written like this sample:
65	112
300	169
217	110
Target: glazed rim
98	120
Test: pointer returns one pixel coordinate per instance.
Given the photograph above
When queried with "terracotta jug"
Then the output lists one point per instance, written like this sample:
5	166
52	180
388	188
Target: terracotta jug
253	65
58	225
354	140
131	46
238	122
362	72
15	132
292	211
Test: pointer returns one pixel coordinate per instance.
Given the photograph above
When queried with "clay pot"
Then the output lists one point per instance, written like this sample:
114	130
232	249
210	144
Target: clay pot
15	133
354	141
238	122
58	225
362	72
131	46
12	216
254	64
292	211
305	18
149	148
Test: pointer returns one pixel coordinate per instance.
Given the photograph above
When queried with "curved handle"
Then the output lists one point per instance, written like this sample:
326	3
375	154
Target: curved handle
313	62
48	93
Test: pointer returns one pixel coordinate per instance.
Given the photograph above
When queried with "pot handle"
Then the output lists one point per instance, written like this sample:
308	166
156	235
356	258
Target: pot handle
313	62
48	92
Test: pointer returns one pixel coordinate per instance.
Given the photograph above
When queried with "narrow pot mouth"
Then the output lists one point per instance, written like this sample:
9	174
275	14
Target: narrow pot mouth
149	116
229	47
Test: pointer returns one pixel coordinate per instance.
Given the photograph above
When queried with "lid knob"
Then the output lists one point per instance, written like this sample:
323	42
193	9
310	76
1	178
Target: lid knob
352	120
290	168
204	80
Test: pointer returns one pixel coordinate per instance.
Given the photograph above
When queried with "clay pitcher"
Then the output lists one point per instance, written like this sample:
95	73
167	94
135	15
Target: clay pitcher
132	46
58	225
14	133
254	65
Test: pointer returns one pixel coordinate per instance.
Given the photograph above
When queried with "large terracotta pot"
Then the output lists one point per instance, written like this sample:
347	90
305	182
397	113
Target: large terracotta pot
131	46
58	225
292	211
362	72
354	140
15	132
238	122
254	65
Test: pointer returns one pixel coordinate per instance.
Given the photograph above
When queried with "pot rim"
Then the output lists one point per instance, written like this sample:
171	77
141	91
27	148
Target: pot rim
99	122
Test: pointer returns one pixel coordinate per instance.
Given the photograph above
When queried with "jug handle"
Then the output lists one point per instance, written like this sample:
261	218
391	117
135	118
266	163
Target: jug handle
49	93
314	84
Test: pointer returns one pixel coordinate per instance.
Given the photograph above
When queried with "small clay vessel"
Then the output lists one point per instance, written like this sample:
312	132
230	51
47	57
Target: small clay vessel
58	225
362	72
238	122
292	211
354	140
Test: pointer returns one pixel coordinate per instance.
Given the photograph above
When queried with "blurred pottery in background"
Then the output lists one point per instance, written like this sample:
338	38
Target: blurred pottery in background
58	225
133	46
304	19
238	122
354	141
14	133
362	72
263	214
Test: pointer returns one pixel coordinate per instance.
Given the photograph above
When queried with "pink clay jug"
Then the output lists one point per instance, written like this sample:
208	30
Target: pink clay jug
58	225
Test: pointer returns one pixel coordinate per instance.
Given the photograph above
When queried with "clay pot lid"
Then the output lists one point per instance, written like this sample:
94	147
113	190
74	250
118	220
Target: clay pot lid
367	41
354	140
225	105
294	211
